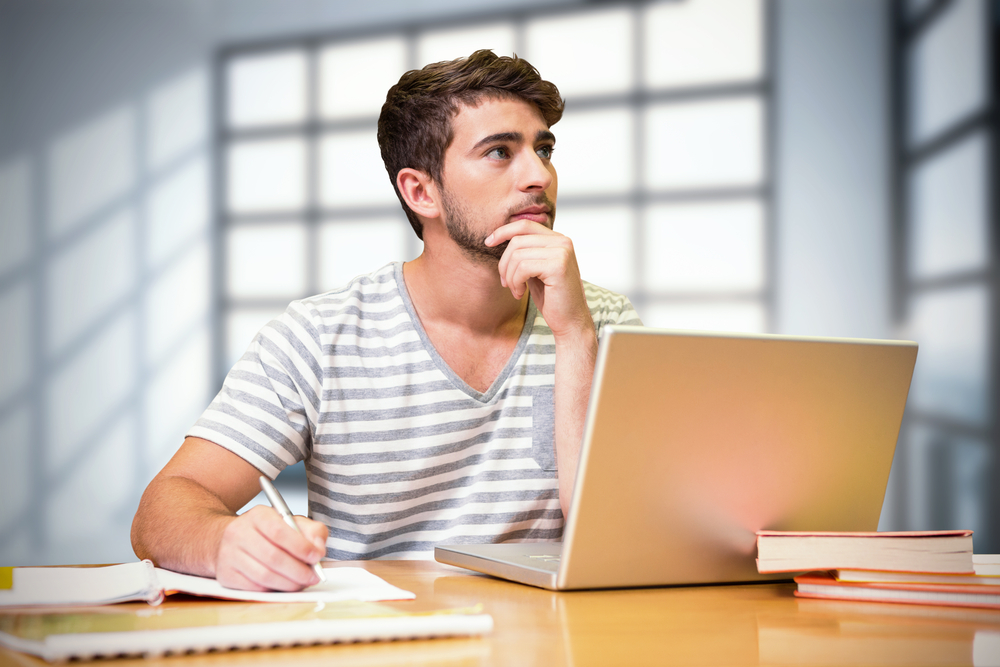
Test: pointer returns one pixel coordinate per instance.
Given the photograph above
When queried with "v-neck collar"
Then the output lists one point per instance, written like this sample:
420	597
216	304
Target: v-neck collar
529	320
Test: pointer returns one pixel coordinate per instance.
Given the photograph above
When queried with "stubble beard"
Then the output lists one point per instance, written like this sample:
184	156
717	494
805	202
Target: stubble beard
462	230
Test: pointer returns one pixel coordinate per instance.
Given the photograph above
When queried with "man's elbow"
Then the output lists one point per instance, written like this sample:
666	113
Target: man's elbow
137	545
143	524
138	533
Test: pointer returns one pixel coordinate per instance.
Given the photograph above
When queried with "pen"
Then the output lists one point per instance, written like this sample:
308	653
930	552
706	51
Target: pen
278	503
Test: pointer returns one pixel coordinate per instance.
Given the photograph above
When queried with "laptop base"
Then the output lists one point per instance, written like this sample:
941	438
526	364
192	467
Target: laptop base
532	563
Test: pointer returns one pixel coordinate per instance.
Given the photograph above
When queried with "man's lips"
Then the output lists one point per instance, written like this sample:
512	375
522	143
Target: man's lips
533	213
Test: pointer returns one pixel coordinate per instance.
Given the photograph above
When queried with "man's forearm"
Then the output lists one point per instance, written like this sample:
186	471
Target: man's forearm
574	371
186	522
179	525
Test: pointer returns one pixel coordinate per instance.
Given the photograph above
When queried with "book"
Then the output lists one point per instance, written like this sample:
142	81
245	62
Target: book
180	628
911	551
34	586
825	585
986	564
872	576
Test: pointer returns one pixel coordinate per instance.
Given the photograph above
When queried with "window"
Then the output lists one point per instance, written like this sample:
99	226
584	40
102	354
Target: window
663	157
945	269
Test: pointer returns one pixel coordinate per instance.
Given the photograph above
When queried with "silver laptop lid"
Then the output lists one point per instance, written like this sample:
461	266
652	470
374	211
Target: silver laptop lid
694	441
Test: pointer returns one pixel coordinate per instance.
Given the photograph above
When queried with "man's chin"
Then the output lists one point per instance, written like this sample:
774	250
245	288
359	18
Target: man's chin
485	254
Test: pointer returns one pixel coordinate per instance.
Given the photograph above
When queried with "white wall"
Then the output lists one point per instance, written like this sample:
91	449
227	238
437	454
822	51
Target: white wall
832	206
104	276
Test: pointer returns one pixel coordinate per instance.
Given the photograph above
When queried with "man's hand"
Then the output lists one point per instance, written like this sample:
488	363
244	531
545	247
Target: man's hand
544	262
187	522
260	552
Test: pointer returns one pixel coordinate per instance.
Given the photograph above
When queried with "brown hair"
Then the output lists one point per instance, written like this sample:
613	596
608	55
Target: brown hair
414	129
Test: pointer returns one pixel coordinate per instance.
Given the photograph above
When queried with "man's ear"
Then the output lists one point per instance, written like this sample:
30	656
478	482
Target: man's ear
420	192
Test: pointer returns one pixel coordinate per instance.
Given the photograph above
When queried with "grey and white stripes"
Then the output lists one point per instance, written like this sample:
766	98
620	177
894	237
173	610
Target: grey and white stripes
400	453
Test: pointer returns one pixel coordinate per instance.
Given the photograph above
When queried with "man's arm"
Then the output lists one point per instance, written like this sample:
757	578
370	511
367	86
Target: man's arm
543	261
187	522
575	359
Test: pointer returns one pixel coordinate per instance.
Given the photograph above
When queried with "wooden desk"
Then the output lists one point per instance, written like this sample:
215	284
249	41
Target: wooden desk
712	625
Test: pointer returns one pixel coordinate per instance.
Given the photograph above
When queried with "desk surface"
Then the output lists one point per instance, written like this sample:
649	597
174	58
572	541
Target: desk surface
711	625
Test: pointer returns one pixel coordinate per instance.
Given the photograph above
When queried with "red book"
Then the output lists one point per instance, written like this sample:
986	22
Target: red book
824	585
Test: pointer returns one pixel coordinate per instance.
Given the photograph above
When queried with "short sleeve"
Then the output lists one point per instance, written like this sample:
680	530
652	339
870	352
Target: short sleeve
265	412
607	307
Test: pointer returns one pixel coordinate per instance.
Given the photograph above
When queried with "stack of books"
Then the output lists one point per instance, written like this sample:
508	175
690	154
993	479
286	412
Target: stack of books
930	567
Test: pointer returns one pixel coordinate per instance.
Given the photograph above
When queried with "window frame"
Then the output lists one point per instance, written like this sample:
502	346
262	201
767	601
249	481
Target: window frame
907	156
637	199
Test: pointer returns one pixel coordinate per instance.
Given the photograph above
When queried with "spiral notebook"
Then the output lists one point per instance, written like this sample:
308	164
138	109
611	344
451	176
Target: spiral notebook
182	628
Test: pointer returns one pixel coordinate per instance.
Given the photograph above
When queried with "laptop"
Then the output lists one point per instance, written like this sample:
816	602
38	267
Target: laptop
694	441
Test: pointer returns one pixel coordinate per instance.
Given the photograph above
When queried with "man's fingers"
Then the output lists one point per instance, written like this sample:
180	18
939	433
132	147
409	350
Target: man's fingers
281	562
232	578
259	551
299	545
249	573
516	228
543	263
272	567
554	247
517	271
314	531
528	269
259	565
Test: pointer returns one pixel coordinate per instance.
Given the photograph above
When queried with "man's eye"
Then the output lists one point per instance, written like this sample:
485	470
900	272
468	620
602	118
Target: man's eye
545	152
499	153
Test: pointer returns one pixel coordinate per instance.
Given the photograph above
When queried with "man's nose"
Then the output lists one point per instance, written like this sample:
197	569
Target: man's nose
536	174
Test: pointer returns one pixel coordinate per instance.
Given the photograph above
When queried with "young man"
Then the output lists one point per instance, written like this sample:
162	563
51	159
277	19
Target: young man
439	400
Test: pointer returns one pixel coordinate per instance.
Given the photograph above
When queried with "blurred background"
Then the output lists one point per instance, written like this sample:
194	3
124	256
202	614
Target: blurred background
173	172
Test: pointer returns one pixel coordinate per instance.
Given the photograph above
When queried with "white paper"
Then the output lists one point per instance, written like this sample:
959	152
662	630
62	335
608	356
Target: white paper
342	583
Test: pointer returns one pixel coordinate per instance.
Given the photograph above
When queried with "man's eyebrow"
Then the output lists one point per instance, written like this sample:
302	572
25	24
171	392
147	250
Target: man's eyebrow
513	137
509	137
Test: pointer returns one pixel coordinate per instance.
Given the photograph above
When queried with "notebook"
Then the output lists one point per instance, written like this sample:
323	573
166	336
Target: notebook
695	441
181	628
62	586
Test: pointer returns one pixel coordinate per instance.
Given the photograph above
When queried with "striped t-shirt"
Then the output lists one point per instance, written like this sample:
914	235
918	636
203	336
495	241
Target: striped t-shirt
401	454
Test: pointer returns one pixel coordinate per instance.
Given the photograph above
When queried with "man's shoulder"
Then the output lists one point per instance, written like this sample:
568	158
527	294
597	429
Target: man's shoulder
367	306
371	292
600	297
607	307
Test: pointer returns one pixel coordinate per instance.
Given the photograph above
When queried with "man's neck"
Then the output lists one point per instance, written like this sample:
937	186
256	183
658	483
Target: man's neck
449	288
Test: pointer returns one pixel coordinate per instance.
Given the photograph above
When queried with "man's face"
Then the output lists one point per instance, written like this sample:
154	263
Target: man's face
498	169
